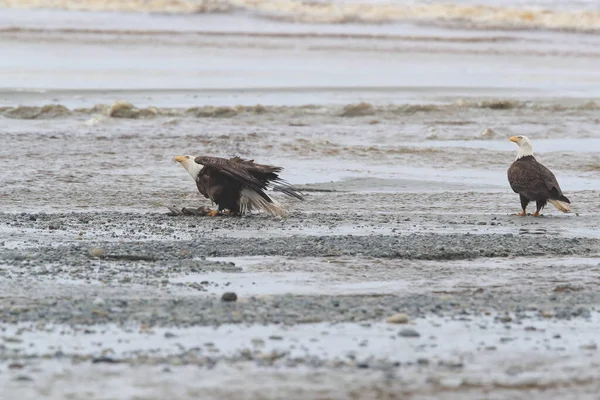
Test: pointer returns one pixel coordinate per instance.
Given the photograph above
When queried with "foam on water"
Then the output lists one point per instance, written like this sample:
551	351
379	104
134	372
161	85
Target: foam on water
550	14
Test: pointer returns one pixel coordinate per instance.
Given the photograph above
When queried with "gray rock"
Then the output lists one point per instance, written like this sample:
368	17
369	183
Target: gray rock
409	333
229	297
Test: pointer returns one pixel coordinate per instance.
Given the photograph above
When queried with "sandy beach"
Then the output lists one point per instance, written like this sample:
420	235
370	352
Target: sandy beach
403	275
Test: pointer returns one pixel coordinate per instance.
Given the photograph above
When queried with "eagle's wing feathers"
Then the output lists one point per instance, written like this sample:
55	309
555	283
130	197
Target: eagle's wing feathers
269	174
533	179
231	169
549	179
253	175
519	177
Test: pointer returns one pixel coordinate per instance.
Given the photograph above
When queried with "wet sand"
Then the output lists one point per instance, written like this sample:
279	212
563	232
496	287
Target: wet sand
135	300
411	214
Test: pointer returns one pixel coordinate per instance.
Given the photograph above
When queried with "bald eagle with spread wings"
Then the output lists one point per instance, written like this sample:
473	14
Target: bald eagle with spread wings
237	185
533	181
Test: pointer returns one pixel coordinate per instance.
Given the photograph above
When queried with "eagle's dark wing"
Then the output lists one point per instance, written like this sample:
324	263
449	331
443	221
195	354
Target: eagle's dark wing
525	178
550	180
232	169
531	179
204	183
269	174
250	174
519	176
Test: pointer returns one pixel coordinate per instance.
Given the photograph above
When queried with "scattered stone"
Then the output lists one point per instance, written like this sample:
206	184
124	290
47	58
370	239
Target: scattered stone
408	333
530	328
399	318
12	339
505	318
16	365
546	313
24	378
275	337
514	370
592	346
97	252
98	301
487	133
229	296
567	289
170	335
104	359
272	356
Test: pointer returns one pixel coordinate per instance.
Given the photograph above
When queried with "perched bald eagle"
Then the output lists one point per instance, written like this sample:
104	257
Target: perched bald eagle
533	181
237	185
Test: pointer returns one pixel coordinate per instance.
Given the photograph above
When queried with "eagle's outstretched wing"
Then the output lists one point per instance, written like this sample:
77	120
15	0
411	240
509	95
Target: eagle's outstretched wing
255	176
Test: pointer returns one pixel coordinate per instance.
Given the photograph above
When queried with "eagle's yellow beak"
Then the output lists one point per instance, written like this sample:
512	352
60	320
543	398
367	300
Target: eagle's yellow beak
180	159
514	139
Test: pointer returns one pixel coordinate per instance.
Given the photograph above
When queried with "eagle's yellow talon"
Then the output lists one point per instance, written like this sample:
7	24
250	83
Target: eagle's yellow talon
213	213
521	214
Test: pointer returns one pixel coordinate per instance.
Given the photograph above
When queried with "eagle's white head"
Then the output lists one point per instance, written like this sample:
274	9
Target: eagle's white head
524	144
189	164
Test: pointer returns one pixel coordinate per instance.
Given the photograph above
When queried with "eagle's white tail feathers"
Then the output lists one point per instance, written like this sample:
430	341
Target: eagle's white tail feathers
561	205
250	201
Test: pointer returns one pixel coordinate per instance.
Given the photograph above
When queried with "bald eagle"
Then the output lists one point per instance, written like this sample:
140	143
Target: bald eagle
237	185
533	181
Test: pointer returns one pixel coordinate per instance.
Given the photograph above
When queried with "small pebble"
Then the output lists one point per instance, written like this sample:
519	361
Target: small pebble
408	332
104	359
505	318
98	301
229	296
97	252
399	318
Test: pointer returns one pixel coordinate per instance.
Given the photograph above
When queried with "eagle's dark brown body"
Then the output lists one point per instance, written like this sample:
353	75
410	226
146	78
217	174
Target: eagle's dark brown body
534	182
239	185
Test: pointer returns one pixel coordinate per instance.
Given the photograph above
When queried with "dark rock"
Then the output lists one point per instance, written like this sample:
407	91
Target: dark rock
104	359
408	333
229	296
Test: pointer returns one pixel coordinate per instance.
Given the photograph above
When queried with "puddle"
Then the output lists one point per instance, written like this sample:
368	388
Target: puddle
264	276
